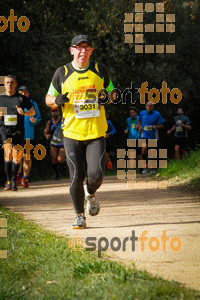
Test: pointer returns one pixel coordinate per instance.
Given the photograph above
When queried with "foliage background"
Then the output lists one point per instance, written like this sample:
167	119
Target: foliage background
34	56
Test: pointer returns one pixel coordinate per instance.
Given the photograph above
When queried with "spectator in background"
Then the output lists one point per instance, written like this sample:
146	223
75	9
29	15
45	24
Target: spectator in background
181	126
110	132
150	120
29	128
54	133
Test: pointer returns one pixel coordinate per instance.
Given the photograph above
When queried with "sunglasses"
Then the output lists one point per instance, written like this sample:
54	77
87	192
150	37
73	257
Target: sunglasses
80	48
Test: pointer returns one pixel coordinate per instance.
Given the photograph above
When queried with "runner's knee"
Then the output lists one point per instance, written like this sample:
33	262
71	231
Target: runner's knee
54	160
95	178
60	159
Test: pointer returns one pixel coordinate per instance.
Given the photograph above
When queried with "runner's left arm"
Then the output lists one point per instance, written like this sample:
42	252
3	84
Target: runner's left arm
187	124
160	123
111	129
172	129
30	112
137	123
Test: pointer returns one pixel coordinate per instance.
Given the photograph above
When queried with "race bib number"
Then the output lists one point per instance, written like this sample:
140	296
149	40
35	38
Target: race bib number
148	128
86	109
10	120
179	129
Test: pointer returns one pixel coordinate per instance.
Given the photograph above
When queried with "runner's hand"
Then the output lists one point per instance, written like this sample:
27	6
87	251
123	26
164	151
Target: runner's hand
20	110
179	121
47	135
62	99
33	120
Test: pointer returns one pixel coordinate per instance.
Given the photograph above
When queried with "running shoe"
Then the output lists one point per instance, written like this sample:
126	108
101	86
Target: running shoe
80	221
92	206
14	185
144	171
64	165
19	178
25	182
7	186
109	165
152	172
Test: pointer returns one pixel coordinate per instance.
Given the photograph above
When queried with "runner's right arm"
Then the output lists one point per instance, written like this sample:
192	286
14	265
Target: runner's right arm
111	128
37	114
55	89
172	129
50	101
140	123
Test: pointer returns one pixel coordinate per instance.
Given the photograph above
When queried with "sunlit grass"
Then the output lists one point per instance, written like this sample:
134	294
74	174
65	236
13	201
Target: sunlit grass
184	169
40	265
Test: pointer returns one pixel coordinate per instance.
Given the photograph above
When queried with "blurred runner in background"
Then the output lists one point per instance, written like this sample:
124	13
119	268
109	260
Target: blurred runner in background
110	132
53	132
150	120
13	107
181	126
29	128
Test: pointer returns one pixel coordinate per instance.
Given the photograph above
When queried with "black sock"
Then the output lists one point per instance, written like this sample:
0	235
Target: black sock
15	168
62	167
144	157
8	169
55	167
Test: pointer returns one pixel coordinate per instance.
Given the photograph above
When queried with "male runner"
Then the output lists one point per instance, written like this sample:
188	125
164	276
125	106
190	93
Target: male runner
54	133
181	127
132	121
12	106
29	128
150	120
133	130
77	86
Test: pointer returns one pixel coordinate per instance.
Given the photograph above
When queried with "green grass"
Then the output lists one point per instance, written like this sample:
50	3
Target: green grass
184	169
40	265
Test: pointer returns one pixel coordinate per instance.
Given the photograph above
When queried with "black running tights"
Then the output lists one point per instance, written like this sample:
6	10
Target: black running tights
91	152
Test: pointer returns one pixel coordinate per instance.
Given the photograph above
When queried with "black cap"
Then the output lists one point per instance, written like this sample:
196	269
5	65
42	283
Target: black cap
80	38
24	88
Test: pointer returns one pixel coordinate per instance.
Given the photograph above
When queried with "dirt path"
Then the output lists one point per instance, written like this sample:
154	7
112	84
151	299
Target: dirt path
122	211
